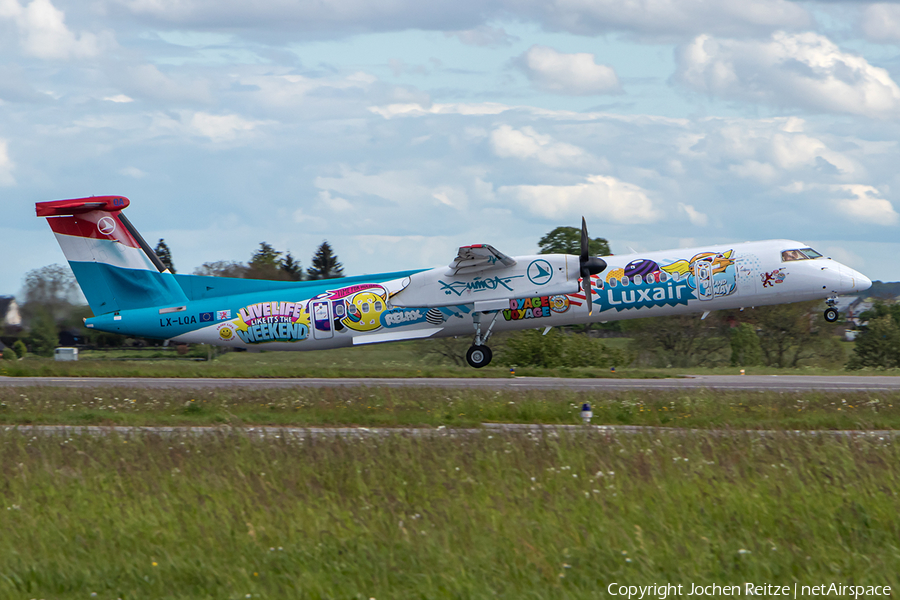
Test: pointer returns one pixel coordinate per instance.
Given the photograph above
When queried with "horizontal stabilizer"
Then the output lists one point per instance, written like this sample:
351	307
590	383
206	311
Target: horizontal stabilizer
58	208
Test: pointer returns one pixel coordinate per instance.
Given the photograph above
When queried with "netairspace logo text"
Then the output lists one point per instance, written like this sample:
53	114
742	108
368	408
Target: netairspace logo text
663	591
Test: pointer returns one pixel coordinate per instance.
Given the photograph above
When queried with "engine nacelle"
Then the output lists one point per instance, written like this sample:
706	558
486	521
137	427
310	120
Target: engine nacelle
492	288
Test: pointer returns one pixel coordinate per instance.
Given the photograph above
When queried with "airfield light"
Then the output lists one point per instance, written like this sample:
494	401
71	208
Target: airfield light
586	413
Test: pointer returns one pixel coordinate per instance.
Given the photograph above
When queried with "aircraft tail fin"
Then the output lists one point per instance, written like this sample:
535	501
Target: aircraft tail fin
115	267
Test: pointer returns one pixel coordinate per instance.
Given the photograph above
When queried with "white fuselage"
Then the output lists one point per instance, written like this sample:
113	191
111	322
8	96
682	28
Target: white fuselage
536	292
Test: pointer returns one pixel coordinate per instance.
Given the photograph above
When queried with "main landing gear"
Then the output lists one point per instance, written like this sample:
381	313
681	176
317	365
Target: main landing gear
479	355
831	312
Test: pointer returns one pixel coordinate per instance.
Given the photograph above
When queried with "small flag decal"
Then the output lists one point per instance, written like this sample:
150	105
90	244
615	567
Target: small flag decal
206	317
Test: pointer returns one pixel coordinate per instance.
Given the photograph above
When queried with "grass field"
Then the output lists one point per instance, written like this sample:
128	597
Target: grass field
403	359
394	407
482	516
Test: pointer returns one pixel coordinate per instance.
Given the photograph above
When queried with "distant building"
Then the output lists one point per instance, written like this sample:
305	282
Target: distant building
851	307
9	312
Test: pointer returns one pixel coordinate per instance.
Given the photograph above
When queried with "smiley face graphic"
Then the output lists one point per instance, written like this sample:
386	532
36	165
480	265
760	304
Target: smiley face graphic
364	311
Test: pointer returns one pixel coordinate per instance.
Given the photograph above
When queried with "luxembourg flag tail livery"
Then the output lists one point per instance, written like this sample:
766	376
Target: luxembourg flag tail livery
113	264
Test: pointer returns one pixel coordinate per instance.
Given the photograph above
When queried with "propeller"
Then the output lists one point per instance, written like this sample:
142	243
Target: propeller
588	265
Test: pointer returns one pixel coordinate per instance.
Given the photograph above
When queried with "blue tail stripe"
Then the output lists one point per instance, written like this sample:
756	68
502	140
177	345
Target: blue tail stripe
109	289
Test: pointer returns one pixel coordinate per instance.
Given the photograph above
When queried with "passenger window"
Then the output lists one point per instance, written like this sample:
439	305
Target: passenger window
365	307
378	306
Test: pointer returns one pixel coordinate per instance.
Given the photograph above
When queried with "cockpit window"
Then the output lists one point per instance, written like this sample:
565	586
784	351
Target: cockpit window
799	254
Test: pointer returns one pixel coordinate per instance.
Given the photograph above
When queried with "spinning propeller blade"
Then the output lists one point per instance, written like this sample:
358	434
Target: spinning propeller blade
588	265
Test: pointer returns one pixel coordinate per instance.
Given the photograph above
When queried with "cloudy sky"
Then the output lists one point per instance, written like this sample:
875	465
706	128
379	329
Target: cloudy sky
401	129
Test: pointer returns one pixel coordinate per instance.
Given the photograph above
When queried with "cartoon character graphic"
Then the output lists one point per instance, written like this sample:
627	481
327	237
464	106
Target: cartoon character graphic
712	274
643	270
364	311
770	279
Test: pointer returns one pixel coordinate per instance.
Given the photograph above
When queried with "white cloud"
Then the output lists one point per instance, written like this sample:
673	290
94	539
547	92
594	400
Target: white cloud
43	32
881	22
6	166
418	110
667	17
767	150
694	216
219	128
483	35
529	144
287	90
866	205
804	70
147	81
560	73
133	172
605	198
644	17
335	203
119	99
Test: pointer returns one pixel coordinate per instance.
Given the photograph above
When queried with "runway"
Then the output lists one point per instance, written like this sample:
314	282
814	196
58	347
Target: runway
784	383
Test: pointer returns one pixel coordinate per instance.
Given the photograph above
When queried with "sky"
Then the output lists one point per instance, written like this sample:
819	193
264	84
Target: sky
400	130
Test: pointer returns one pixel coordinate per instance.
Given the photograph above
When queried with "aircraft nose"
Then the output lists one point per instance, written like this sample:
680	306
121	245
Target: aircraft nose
853	281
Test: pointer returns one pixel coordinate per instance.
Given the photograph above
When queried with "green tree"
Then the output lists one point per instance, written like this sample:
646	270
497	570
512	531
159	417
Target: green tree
265	263
291	268
745	350
878	345
165	255
325	264
43	336
531	348
878	342
222	268
20	348
789	333
677	341
558	349
567	240
51	289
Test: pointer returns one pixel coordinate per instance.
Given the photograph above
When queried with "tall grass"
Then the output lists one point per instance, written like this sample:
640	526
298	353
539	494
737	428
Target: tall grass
479	516
392	407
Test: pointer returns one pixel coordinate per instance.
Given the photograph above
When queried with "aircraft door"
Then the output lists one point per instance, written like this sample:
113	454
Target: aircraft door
321	314
704	280
747	275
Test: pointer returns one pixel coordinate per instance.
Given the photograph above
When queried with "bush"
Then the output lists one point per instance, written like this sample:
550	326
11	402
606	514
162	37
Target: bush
43	336
556	349
20	349
9	354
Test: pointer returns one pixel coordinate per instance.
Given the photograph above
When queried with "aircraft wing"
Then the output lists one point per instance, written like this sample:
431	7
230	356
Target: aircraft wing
478	257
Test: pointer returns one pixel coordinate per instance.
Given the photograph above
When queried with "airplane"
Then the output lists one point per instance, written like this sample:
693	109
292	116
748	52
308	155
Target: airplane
482	290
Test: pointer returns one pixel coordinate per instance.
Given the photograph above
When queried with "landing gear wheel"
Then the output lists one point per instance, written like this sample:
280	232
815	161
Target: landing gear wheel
831	315
479	356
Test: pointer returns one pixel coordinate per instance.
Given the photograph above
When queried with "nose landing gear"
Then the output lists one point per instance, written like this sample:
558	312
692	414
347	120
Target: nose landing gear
831	312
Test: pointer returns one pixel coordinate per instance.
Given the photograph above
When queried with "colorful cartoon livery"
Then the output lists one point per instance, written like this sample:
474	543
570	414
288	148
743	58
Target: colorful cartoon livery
481	291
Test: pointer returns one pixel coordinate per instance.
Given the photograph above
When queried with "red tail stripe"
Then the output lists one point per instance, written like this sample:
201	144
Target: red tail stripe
97	226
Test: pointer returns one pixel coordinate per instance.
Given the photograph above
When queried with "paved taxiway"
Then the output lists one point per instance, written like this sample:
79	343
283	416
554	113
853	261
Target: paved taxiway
785	383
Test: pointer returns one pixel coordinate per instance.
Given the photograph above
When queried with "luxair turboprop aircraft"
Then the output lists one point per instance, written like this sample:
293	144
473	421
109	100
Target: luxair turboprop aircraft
481	291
